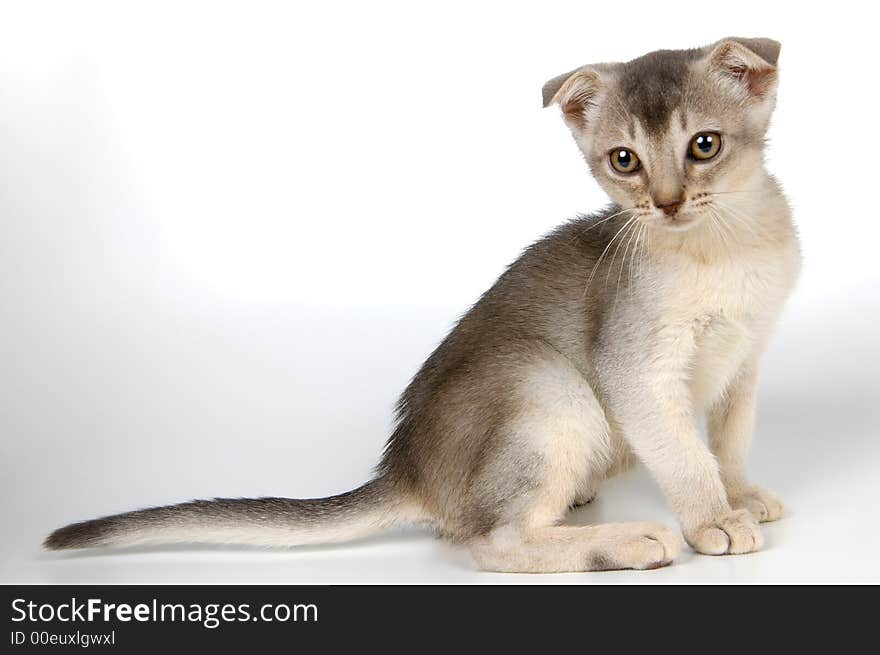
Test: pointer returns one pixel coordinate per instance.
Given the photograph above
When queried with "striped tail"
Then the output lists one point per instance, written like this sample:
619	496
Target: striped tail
256	521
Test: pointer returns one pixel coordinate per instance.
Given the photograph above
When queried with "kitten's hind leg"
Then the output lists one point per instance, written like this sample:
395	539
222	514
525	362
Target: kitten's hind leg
554	444
557	549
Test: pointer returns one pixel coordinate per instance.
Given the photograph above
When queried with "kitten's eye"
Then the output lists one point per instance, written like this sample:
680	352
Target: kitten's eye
705	145
625	161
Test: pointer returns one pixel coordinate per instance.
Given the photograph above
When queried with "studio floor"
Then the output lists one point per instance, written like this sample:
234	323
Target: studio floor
176	404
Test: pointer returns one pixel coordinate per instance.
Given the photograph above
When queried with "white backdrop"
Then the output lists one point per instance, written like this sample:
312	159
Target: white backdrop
230	233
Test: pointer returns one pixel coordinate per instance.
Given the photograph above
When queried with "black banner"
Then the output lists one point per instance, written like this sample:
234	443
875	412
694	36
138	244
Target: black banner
153	618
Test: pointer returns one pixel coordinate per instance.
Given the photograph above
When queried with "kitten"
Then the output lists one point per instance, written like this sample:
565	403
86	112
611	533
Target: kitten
605	342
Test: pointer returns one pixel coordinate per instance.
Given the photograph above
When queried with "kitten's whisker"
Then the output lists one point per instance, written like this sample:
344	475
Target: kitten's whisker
721	193
635	252
602	256
632	226
577	235
723	224
608	218
632	260
738	221
714	224
734	210
633	231
643	250
733	235
739	216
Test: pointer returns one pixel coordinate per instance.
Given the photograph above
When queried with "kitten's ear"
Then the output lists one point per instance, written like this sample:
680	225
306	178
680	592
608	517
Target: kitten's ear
576	92
749	63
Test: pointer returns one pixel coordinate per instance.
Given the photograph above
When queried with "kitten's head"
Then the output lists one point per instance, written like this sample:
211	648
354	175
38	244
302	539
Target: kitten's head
664	132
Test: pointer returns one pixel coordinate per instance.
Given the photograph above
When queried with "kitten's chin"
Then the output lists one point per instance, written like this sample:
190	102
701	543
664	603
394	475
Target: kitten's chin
680	223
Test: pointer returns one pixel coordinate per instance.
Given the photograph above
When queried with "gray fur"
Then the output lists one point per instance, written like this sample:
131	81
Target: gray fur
453	415
223	515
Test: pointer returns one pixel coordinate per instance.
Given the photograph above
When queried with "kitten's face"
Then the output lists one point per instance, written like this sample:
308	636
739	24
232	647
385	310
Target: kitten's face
669	132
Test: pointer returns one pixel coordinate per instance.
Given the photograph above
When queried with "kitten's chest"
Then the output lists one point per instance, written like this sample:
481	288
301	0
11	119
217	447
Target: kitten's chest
722	345
745	294
730	310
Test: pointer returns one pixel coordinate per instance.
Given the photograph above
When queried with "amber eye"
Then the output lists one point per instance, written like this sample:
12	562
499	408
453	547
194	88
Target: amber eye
705	145
625	161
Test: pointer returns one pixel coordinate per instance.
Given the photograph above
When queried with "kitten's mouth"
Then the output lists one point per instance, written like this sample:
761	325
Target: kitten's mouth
679	222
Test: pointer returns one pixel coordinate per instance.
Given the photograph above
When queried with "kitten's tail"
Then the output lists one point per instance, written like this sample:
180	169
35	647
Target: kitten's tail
256	521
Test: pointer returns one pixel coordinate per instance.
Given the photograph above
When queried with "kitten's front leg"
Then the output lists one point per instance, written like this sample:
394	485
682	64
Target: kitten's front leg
650	401
661	431
731	421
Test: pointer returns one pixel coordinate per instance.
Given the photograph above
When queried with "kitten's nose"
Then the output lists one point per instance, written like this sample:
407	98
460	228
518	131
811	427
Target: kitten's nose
669	208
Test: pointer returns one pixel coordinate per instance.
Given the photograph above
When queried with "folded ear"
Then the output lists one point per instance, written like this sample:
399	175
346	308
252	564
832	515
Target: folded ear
749	63
576	92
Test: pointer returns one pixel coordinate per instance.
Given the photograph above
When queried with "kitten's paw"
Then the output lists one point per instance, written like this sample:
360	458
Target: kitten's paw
733	533
637	546
761	503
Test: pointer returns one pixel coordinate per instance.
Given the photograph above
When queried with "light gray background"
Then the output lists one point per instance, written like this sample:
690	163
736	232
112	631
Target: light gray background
229	236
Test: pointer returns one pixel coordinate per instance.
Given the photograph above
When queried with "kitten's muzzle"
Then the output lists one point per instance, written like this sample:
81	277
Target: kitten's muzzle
670	208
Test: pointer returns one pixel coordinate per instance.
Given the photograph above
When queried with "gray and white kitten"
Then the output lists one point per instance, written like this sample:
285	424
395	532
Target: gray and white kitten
605	342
